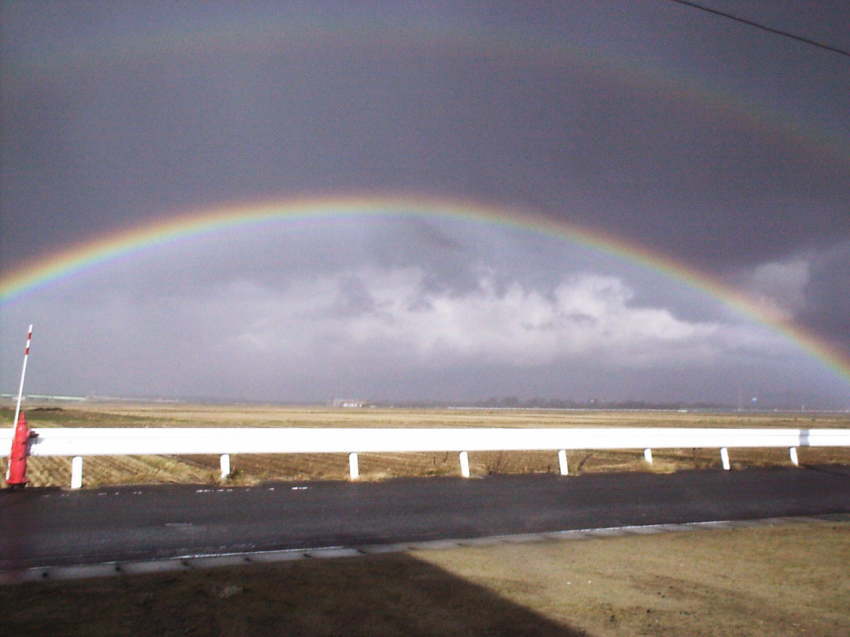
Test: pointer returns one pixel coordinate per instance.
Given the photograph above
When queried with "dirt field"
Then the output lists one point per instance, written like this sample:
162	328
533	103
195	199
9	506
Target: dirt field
253	469
786	580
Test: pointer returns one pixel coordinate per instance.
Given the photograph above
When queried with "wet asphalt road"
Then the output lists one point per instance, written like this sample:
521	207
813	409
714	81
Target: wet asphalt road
41	527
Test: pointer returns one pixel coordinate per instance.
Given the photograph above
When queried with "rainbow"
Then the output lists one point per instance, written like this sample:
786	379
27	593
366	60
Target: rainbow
111	246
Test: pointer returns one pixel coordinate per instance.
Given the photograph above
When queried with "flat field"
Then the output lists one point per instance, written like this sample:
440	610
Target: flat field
253	469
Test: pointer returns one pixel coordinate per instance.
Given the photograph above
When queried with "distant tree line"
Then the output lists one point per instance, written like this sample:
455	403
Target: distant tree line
512	402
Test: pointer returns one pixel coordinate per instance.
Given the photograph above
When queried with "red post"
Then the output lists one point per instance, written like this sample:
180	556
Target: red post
16	475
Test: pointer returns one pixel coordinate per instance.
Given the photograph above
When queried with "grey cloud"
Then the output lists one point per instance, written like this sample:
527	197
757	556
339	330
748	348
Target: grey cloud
828	295
781	284
353	298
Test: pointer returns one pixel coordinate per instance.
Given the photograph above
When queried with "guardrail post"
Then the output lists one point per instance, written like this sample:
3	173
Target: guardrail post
647	455
724	457
76	472
562	462
224	463
353	466
464	464
793	453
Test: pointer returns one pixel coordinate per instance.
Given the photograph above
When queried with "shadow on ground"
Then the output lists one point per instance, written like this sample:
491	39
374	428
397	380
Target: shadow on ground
375	595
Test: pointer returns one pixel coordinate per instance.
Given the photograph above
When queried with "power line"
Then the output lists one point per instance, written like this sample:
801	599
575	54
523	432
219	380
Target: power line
786	34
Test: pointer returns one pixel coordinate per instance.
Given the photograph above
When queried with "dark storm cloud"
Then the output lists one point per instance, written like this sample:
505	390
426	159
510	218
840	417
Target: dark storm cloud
138	137
827	306
720	146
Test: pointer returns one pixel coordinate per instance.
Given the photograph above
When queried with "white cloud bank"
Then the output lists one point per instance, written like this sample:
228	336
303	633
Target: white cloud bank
780	286
390	316
394	332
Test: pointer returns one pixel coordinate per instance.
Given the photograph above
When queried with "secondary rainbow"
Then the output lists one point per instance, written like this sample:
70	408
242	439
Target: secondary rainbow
102	250
277	33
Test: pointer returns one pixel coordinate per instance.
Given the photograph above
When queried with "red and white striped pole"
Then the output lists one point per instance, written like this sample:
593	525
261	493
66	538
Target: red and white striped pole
23	375
20	394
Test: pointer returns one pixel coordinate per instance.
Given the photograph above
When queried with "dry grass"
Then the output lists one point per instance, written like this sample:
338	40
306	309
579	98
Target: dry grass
789	580
186	415
253	469
761	581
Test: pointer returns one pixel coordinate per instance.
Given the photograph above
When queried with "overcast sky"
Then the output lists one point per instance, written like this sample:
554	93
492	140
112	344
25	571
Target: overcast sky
707	141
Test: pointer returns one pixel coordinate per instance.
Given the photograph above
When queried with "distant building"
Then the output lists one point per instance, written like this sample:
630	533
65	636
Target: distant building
45	397
348	403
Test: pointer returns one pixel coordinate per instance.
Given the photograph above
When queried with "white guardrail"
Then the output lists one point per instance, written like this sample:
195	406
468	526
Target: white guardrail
80	442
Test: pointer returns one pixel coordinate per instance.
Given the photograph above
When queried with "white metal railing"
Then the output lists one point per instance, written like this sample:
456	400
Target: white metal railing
81	442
